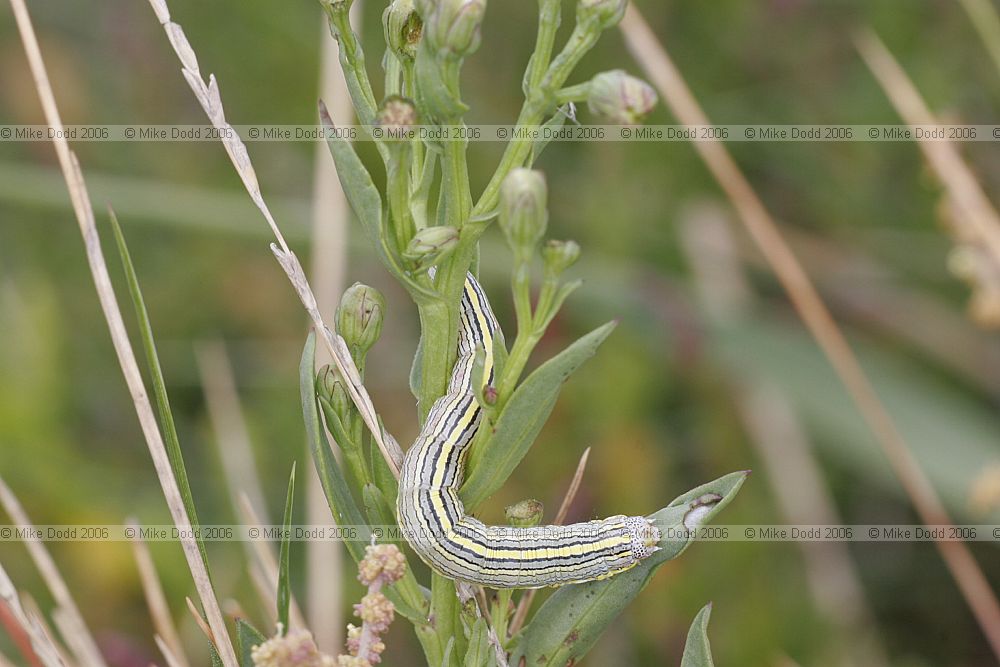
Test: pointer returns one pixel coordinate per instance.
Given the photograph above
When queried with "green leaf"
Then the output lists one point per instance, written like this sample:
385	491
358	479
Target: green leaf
214	656
247	637
479	653
572	618
364	197
406	594
170	439
697	652
523	417
352	455
284	596
338	495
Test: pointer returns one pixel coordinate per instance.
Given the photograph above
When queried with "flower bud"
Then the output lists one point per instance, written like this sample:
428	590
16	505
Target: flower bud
453	25
430	245
620	97
526	513
359	317
331	387
560	255
603	14
403	28
397	115
523	212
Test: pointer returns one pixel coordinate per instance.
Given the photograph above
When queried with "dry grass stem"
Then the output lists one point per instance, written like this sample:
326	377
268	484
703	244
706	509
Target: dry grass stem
159	609
986	21
81	641
943	156
210	100
59	617
205	629
169	655
123	348
524	604
229	426
330	217
665	76
42	647
802	494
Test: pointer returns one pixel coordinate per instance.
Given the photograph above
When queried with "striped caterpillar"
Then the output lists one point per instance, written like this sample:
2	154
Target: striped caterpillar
459	546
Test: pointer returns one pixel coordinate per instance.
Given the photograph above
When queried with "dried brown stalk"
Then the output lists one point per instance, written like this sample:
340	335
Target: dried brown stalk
81	641
126	357
665	76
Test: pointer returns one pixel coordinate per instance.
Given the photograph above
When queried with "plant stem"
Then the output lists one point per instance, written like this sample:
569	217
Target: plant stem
538	101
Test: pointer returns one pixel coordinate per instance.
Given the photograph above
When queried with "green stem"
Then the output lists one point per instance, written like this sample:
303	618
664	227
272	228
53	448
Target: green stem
538	102
549	13
352	61
398	193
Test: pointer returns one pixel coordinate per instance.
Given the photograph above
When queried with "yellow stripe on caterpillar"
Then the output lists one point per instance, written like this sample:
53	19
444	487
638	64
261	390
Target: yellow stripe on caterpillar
460	547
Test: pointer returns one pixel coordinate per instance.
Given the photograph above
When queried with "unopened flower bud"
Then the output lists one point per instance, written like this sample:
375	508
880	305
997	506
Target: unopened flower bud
526	513
620	97
452	26
523	212
397	116
403	28
560	255
430	245
359	317
602	14
331	387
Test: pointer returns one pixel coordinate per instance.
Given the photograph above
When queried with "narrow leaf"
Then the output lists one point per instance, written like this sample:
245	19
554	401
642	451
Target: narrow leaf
284	594
338	496
247	637
364	197
480	652
572	619
697	652
170	438
523	417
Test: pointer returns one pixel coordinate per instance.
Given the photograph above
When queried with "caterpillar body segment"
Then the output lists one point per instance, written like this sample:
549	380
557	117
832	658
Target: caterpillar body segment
461	547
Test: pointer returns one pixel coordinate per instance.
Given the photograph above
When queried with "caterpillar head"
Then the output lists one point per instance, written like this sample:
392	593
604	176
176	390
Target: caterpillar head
645	536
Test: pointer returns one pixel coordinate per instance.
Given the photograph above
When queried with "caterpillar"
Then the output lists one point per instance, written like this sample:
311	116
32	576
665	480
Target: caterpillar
461	547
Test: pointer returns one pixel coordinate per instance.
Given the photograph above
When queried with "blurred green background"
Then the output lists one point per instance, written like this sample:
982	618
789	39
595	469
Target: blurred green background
663	404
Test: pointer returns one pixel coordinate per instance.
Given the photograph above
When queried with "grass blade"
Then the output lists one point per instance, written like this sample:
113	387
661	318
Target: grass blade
284	594
170	438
